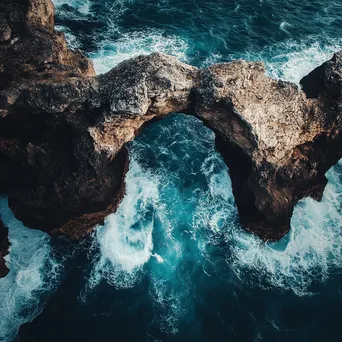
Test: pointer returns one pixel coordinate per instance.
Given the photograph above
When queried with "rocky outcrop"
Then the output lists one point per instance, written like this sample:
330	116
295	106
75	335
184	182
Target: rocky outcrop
31	49
4	245
63	130
277	142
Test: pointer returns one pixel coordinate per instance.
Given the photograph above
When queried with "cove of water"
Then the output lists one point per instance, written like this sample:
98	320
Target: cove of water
173	263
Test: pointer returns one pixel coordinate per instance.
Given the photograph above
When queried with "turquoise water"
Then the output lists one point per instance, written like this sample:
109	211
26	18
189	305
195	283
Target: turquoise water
173	263
291	37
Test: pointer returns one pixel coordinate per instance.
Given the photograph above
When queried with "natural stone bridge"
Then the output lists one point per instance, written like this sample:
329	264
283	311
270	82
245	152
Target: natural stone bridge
63	130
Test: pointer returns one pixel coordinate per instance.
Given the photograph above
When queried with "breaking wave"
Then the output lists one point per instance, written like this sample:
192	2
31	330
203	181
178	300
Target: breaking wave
311	252
176	214
125	240
33	275
133	44
292	61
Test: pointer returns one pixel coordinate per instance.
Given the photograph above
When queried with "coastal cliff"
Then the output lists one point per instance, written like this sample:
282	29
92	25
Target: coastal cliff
63	129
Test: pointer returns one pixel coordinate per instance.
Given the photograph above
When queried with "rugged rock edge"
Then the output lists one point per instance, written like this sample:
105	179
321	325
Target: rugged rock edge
63	130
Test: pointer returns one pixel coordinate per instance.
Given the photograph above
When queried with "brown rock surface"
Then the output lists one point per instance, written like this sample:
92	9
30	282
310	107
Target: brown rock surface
277	142
63	131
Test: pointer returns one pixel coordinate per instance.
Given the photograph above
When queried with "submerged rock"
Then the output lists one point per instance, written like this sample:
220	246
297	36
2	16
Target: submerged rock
63	130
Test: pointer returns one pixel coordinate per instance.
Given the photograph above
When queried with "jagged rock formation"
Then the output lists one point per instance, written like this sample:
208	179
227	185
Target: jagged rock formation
277	142
63	130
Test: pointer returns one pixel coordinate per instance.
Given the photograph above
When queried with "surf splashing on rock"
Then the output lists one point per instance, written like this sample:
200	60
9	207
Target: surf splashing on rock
125	240
133	44
178	217
150	236
207	34
33	275
81	6
291	61
116	45
310	253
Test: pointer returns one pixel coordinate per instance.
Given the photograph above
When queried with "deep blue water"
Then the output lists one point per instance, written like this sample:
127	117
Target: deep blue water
173	263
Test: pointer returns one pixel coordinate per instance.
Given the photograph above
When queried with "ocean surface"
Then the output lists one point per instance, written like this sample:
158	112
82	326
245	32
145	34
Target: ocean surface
173	263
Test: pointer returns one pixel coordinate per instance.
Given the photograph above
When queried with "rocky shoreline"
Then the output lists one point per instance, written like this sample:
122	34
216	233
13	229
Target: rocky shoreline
63	129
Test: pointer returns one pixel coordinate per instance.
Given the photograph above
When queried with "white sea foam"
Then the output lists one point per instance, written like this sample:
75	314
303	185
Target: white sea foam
284	25
212	59
33	272
82	6
158	257
171	297
134	44
144	231
296	60
216	210
289	60
82	10
128	45
311	252
125	240
126	246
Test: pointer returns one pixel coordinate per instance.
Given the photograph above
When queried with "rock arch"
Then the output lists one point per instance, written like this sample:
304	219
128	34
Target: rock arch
63	130
275	139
